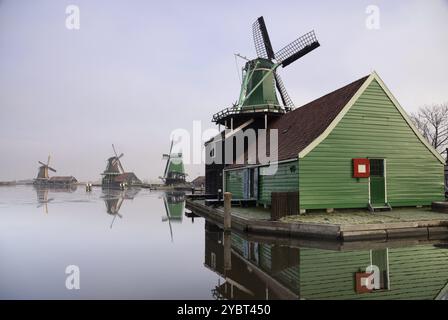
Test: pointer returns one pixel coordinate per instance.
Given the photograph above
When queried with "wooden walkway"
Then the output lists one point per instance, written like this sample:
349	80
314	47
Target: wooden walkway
435	229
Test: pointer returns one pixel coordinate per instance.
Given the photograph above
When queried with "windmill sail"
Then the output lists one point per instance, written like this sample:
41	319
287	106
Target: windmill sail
263	45
297	49
261	85
287	102
174	172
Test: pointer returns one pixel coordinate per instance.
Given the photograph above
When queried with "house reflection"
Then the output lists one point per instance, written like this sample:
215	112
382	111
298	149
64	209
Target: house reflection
113	199
263	269
42	193
174	207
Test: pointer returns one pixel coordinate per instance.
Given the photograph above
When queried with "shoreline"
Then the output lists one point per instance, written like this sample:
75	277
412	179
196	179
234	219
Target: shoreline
433	229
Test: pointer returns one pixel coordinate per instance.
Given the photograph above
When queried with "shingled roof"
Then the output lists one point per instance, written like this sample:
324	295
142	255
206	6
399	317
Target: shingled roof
298	128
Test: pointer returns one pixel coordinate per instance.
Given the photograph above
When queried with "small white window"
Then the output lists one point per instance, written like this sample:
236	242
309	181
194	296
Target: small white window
362	168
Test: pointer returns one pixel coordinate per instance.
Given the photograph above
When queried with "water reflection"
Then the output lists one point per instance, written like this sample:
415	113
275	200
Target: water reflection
269	270
42	193
113	199
214	264
174	207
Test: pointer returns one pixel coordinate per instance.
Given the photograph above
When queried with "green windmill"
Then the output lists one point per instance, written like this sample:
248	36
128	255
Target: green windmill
261	82
174	173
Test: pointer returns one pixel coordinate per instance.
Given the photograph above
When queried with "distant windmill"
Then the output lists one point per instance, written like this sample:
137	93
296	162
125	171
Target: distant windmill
42	175
114	163
114	176
174	173
260	77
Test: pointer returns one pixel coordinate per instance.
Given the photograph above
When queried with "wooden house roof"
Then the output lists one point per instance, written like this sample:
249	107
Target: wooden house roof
126	176
62	178
298	128
301	130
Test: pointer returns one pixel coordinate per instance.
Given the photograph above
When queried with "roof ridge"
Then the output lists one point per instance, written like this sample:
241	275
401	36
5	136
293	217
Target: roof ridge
332	92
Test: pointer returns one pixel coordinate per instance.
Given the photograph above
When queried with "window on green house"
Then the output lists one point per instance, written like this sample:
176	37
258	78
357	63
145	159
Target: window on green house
377	167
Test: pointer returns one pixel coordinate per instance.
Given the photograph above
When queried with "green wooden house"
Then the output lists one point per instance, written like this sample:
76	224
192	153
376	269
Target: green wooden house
264	270
320	142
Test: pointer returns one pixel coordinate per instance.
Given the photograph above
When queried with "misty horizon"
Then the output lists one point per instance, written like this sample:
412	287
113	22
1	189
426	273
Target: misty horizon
136	71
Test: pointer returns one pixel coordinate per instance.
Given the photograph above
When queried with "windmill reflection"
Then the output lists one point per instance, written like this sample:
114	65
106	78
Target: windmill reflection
174	206
42	193
113	199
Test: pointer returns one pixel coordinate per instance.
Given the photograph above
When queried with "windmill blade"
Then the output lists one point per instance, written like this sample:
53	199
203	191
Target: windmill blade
117	160
120	202
48	162
119	164
42	163
113	147
117	157
168	216
287	102
168	157
166	167
263	45
113	220
50	168
296	49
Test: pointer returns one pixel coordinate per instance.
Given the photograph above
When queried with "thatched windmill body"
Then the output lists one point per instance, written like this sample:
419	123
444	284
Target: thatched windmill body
42	175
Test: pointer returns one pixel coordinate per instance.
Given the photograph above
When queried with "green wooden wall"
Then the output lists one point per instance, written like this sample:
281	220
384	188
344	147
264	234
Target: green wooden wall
418	272
373	127
288	276
234	183
283	180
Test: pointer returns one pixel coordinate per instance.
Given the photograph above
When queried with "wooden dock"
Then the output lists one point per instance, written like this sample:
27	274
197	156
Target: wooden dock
435	229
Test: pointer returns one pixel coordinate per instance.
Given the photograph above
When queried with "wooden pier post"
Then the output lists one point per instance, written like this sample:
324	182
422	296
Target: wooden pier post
227	210
227	250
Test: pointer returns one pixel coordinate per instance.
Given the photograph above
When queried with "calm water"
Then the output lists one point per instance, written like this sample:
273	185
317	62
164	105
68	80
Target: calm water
144	245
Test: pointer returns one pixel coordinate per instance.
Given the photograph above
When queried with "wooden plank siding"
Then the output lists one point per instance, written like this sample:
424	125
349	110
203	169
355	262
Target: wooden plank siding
234	183
373	127
283	180
288	276
415	273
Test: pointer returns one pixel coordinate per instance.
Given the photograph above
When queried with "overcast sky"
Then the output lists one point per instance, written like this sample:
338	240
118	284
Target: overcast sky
137	70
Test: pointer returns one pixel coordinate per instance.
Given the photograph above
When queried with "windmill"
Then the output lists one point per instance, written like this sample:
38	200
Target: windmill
42	175
174	173
261	81
114	163
113	169
114	175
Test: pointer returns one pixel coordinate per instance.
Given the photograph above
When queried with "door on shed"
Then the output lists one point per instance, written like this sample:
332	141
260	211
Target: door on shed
250	183
377	182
